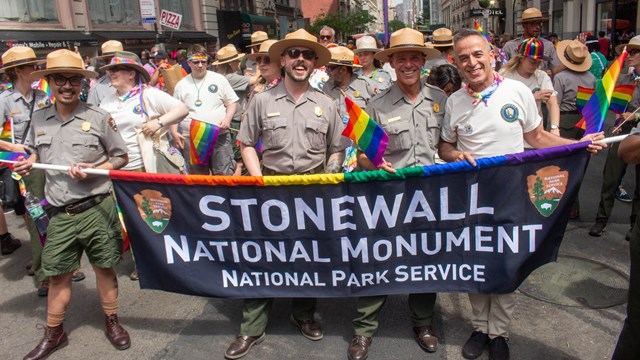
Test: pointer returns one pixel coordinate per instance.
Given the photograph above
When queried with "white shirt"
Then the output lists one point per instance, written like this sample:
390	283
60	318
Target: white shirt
492	129
538	81
215	94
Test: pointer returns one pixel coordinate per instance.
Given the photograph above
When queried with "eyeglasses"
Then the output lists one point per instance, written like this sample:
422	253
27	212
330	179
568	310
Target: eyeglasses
198	62
60	80
331	67
263	59
306	54
119	68
325	37
634	51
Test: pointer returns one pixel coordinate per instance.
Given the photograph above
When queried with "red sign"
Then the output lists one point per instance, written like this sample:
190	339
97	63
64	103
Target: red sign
170	19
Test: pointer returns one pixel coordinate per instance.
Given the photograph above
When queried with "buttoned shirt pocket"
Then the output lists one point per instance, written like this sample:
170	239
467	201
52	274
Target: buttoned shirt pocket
86	149
315	135
43	143
434	122
20	125
400	135
274	133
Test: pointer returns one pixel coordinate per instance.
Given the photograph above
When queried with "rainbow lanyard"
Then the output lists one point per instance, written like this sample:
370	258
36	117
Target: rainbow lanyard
485	94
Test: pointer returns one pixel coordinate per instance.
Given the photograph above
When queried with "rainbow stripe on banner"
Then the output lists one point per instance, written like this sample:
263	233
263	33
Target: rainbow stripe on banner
368	135
203	140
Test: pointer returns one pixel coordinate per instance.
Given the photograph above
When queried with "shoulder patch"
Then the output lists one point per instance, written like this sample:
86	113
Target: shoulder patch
112	124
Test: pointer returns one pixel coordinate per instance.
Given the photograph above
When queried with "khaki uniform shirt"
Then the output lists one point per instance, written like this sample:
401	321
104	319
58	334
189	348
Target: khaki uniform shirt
86	137
551	61
296	137
239	84
566	83
360	90
380	78
14	106
413	127
100	90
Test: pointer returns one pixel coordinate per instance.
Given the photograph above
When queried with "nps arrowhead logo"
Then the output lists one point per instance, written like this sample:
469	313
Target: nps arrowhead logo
154	209
546	188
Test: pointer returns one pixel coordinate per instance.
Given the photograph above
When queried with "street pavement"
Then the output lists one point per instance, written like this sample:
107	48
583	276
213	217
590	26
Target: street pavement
171	326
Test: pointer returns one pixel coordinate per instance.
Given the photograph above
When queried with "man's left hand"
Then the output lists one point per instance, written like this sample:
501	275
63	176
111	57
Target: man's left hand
76	173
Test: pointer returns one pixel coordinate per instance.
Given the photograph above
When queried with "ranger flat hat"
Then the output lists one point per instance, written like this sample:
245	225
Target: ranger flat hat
257	38
634	43
227	54
263	50
342	56
531	15
366	43
109	48
442	37
406	40
17	56
303	39
574	55
64	61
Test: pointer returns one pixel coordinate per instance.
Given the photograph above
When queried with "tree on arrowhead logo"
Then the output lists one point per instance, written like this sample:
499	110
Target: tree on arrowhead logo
546	188
154	209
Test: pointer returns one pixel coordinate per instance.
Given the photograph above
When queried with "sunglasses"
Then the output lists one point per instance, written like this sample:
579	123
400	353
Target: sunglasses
306	54
331	67
263	59
325	37
198	62
60	80
634	51
119	68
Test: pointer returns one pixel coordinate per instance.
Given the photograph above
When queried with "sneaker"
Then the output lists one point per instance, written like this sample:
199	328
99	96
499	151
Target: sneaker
622	195
9	244
77	276
43	288
598	227
134	275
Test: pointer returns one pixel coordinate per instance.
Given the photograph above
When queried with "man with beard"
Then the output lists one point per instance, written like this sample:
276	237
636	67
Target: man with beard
410	112
491	116
298	126
82	212
532	25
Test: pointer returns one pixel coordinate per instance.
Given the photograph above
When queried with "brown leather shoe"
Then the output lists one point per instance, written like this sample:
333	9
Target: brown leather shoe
54	338
359	348
118	336
310	329
241	346
425	337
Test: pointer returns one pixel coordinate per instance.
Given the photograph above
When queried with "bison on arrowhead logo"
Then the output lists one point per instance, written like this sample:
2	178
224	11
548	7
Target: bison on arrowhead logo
154	209
546	188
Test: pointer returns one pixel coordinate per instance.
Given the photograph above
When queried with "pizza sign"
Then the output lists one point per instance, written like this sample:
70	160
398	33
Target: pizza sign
170	19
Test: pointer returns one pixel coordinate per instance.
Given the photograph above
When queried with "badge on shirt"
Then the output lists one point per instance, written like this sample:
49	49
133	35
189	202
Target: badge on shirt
356	93
213	88
15	112
380	79
394	119
318	111
272	114
436	107
86	126
41	133
509	113
112	124
467	129
345	119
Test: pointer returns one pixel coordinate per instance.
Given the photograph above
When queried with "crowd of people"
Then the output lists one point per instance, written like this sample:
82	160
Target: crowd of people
280	110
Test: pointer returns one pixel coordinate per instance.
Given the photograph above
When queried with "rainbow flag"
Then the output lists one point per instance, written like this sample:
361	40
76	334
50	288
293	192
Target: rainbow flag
479	29
8	158
203	140
7	134
43	85
583	96
368	135
596	107
620	98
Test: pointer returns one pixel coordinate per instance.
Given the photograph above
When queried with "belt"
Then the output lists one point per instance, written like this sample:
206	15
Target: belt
77	207
572	112
316	170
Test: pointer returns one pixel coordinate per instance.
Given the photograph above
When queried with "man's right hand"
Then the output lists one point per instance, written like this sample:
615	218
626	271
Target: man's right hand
462	156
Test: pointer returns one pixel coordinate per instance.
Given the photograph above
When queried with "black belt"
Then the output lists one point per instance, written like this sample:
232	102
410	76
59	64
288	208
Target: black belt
77	207
572	112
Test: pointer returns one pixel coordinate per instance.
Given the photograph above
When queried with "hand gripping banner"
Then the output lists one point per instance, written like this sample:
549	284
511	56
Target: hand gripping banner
441	228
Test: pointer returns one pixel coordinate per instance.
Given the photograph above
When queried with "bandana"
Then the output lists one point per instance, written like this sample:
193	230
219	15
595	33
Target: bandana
273	84
197	57
636	77
133	92
485	94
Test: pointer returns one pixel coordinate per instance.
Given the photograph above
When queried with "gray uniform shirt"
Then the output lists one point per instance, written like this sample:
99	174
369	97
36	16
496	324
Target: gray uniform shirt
380	78
100	90
440	60
413	127
566	83
551	61
296	137
15	107
239	84
85	137
360	90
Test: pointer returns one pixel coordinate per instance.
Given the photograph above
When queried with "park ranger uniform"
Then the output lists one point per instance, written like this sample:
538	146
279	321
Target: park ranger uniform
360	90
380	78
100	90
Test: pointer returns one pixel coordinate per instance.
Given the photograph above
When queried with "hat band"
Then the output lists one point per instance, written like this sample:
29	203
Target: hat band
258	42
228	58
120	60
407	45
569	59
19	62
345	62
63	68
537	18
436	42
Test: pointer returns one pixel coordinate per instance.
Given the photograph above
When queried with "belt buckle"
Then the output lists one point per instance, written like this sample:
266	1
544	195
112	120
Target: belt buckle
67	208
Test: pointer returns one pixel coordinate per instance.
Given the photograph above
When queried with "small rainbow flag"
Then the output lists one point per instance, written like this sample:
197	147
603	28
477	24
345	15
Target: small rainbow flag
368	135
595	109
620	98
7	134
479	29
583	96
8	158
43	85
203	140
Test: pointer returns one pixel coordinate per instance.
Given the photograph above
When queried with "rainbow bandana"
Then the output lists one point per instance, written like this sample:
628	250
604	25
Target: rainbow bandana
485	94
197	57
121	60
532	48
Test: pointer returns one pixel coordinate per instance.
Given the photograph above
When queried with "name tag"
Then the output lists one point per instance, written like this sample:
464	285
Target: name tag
394	119
273	114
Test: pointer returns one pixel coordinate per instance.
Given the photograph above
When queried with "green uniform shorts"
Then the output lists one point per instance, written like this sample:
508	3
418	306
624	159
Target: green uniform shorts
97	231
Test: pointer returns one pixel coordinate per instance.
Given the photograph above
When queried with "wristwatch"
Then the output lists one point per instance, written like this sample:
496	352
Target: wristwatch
554	127
160	123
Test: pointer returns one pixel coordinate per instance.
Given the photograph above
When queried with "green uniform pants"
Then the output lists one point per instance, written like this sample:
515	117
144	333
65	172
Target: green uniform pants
255	313
368	308
35	185
612	174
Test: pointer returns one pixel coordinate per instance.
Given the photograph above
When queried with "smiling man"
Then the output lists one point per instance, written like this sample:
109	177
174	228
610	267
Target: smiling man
410	112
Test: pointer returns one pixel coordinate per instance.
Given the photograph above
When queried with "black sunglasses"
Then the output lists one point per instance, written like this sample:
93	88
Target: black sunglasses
634	51
60	80
325	37
306	54
263	59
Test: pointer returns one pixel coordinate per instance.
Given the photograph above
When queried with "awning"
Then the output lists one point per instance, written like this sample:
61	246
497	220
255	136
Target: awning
125	35
190	36
252	23
47	39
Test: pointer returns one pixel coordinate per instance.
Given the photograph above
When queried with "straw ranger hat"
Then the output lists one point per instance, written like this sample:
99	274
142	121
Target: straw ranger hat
303	39
532	15
17	56
263	50
64	61
634	43
129	60
228	54
342	56
574	55
366	43
406	40
257	38
532	48
109	48
442	37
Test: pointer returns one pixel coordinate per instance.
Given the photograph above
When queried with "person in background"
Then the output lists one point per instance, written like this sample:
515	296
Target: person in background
144	57
327	36
443	42
257	38
446	77
366	48
603	41
181	58
161	59
102	87
598	60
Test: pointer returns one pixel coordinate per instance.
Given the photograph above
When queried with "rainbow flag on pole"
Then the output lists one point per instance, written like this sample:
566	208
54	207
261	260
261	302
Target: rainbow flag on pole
620	98
596	107
479	29
203	140
583	96
368	135
7	133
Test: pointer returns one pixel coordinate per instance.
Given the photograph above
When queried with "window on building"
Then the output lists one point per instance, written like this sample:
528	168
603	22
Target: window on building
184	8
245	6
116	12
28	11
